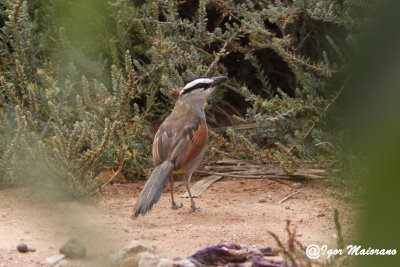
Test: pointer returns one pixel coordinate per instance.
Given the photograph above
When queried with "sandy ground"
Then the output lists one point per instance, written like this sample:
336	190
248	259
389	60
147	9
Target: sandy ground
231	211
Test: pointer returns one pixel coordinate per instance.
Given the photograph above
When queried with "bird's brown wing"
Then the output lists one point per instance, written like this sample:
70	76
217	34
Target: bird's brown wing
190	144
162	145
179	145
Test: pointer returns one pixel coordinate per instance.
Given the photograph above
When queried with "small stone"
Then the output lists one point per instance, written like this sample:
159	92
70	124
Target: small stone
321	214
165	263
142	259
22	247
297	185
186	263
136	247
73	248
262	200
55	258
300	234
148	262
269	197
146	254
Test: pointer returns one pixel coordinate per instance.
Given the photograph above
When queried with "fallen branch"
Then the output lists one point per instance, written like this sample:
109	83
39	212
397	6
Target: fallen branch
255	171
265	176
289	196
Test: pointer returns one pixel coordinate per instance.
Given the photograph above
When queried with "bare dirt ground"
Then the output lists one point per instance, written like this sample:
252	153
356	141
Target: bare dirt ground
231	211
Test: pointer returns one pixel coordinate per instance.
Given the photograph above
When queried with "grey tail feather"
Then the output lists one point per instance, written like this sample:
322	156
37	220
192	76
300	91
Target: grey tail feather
153	188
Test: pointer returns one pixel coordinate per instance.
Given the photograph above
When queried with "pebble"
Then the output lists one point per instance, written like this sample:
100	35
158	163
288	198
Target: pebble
22	247
262	200
165	263
142	259
55	258
136	247
148	262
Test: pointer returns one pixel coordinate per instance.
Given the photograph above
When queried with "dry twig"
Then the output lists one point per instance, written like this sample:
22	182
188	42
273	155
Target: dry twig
289	196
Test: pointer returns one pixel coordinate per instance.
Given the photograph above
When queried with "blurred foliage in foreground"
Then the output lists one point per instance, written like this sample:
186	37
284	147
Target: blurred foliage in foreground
85	83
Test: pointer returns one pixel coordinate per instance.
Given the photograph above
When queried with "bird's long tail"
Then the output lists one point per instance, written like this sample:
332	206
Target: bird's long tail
153	188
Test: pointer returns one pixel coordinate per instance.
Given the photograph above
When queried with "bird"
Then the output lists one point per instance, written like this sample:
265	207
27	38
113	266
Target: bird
179	144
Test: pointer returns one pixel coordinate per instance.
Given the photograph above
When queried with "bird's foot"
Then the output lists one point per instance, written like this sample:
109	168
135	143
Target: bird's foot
193	208
176	206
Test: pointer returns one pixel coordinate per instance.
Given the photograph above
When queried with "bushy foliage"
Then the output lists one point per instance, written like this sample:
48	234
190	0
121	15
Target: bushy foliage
78	101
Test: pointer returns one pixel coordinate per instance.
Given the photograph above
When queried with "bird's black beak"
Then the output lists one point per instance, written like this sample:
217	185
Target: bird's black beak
218	80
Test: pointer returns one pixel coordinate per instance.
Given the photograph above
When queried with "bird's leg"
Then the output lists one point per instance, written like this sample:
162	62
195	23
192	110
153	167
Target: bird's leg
193	207
171	184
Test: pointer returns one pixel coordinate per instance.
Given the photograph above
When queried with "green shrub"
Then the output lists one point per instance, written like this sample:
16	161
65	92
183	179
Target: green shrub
84	83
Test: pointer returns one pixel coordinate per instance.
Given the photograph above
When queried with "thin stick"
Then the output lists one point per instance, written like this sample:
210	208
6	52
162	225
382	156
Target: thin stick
289	196
262	176
270	175
221	52
247	126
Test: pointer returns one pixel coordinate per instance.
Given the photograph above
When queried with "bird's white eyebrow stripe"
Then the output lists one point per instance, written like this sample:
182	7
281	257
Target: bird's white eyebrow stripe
197	81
